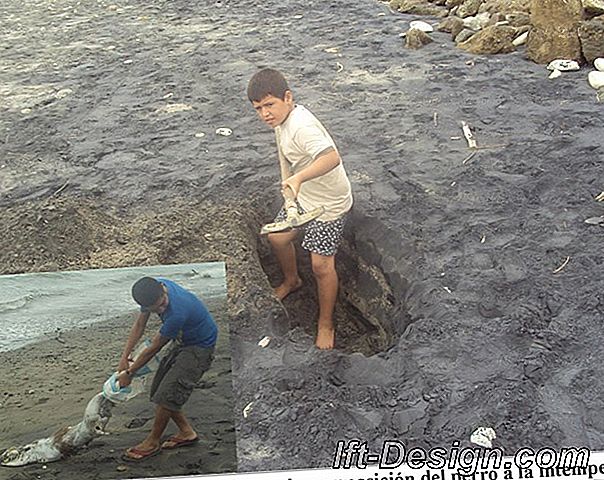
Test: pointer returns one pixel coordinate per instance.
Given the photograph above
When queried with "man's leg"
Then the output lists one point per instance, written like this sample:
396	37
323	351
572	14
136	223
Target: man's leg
324	269
162	417
151	442
185	429
285	251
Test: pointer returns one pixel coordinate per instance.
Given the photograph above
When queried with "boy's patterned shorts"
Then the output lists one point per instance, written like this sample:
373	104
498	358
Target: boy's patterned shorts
322	238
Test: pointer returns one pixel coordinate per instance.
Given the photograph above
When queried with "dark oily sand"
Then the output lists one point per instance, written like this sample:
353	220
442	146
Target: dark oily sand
450	273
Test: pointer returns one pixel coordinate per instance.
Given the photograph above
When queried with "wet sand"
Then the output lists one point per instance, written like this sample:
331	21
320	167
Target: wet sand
471	293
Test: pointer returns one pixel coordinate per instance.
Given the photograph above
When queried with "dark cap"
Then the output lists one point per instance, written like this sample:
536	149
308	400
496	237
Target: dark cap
147	291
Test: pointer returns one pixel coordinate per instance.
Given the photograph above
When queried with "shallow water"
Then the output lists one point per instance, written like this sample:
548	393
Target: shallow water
37	304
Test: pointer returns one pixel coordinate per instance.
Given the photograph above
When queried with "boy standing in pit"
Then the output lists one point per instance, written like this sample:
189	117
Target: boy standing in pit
312	168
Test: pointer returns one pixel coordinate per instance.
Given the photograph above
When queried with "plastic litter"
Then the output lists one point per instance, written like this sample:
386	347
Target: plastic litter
563	65
483	436
419	25
225	132
247	409
115	393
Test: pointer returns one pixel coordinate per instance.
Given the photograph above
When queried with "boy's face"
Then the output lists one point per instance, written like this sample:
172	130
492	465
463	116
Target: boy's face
273	110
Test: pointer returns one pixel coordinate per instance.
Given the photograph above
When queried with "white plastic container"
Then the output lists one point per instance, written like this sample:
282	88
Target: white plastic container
151	366
115	393
563	65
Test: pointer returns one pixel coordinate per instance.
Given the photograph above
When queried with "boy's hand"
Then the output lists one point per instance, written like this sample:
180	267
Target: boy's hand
292	182
323	164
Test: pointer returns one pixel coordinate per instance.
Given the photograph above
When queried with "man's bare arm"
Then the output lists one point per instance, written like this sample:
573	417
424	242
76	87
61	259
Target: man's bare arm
147	354
136	332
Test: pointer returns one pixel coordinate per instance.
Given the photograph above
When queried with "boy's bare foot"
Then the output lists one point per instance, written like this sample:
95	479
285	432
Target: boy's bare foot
325	338
286	288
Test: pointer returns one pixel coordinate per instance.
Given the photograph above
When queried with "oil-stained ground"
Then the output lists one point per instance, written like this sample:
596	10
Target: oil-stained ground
471	286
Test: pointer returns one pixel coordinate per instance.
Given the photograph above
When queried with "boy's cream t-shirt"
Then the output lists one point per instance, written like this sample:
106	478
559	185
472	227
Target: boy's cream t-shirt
300	140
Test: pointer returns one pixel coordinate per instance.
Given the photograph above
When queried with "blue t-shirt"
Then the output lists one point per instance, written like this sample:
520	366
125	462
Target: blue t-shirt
187	318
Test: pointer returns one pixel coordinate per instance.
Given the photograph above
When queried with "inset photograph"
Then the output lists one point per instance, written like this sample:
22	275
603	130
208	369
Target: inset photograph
103	369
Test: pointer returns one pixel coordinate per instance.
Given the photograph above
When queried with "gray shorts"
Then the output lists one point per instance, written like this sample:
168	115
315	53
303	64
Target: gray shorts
322	238
178	373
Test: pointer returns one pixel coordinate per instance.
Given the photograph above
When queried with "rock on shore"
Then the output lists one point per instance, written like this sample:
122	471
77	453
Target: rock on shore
591	35
554	30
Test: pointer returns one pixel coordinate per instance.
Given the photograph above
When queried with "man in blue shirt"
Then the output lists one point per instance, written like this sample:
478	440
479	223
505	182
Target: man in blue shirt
186	320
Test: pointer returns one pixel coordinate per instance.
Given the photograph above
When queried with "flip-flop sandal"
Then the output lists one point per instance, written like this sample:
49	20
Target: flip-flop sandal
141	454
178	443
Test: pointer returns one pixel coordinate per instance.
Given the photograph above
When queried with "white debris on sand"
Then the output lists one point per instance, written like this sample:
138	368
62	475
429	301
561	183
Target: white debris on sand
483	436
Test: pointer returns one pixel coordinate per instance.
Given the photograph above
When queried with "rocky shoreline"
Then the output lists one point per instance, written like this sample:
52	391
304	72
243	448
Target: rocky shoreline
550	29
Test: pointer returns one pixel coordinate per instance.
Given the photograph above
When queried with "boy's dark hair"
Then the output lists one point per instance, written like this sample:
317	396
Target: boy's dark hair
267	82
147	291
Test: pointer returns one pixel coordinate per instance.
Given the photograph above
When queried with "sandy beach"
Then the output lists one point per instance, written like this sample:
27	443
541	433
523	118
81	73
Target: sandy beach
46	386
471	292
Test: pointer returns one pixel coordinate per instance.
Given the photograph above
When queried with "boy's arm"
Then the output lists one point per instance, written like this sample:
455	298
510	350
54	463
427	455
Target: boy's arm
324	163
283	165
285	170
